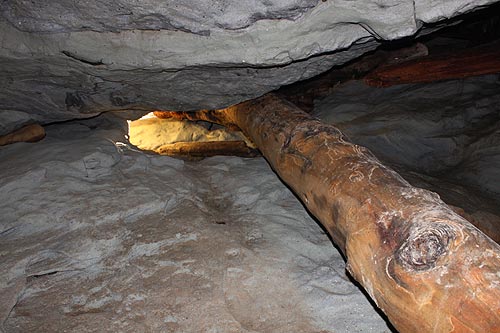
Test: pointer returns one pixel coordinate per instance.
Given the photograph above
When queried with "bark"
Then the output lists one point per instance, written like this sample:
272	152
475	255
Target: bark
477	61
207	149
484	221
425	266
29	133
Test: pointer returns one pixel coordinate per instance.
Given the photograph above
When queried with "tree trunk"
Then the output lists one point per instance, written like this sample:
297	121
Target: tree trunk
425	266
477	61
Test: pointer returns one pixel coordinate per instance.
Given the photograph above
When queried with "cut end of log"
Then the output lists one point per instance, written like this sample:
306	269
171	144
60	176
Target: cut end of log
28	133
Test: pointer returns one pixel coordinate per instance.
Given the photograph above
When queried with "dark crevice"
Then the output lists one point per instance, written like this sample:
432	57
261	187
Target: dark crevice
32	277
83	60
7	231
37	276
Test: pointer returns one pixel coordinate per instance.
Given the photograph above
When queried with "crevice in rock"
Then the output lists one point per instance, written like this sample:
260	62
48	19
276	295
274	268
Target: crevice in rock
36	276
82	60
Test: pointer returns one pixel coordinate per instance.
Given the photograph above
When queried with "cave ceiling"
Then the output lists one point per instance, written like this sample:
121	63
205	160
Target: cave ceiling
67	59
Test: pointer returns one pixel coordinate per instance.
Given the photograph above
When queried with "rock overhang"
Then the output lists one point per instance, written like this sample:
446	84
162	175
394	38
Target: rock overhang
63	60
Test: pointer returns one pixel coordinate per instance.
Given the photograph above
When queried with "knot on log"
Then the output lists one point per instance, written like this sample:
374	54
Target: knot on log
424	246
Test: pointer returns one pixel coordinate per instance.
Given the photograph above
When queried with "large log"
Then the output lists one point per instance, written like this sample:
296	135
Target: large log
425	266
472	62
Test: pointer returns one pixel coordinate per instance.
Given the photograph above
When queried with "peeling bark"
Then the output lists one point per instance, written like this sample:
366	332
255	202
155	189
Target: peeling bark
425	266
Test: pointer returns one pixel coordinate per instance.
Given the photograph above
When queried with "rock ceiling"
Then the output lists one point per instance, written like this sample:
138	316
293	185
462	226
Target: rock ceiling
67	59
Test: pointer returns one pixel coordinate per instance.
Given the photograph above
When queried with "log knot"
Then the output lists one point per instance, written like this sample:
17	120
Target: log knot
424	246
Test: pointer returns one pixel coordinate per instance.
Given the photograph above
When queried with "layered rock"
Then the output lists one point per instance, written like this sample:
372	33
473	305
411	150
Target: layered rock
69	59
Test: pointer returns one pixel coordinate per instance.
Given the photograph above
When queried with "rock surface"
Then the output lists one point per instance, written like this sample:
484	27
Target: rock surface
98	238
447	130
69	59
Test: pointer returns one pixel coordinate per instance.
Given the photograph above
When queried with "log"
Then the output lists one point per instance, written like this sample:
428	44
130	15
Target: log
425	266
304	93
28	133
484	221
211	116
472	62
206	149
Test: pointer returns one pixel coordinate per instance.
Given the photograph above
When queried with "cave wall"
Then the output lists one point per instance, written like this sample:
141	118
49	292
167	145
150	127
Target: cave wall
449	129
68	59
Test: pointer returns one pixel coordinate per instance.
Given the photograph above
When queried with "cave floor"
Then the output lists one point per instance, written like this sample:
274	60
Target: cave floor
96	237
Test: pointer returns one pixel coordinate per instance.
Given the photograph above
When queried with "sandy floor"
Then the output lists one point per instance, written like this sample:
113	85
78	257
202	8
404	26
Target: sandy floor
96	237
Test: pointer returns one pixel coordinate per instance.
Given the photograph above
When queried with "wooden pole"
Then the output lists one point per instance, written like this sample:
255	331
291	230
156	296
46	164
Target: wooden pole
201	149
425	266
472	62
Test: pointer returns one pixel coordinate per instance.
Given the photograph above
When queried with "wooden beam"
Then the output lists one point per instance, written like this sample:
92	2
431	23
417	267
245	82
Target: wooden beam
425	266
195	150
28	133
471	62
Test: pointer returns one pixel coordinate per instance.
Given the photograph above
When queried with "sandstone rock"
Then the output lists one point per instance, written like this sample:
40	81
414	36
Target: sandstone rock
71	59
11	120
